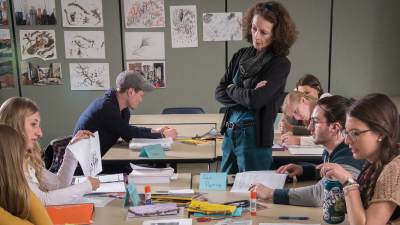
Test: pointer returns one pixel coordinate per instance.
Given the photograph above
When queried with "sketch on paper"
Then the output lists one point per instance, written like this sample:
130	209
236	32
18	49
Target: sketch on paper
34	12
82	13
183	26
5	43
38	43
89	76
144	13
222	26
6	75
153	71
144	45
4	12
40	75
84	44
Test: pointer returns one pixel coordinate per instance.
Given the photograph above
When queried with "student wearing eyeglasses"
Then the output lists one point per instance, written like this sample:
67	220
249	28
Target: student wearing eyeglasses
372	132
251	103
326	124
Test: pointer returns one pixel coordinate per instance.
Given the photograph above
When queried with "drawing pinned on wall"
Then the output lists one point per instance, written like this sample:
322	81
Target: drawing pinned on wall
6	74
84	44
38	43
41	74
82	13
4	12
5	43
144	45
89	76
222	26
183	26
153	71
144	13
34	12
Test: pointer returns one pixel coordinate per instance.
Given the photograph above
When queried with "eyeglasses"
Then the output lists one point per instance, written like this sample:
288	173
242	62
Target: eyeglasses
314	121
353	134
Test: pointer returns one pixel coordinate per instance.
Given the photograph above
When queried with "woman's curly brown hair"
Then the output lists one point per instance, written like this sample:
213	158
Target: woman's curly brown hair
284	32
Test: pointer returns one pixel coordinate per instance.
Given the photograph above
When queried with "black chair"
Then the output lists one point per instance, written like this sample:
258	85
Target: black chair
183	110
54	153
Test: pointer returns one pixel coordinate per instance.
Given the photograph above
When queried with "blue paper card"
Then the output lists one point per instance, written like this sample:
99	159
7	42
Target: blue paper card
131	196
152	152
213	181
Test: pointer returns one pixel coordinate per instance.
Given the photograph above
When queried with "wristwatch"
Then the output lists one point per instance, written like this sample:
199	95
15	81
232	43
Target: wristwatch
349	181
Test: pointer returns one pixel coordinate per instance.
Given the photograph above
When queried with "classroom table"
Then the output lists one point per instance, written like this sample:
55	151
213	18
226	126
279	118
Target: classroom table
115	214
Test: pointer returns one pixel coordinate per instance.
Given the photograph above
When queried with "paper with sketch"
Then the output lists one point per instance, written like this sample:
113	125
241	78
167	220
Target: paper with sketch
268	178
168	222
305	150
137	143
87	152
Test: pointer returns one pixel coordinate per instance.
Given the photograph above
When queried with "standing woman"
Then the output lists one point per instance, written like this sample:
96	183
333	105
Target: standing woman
18	205
256	76
372	132
22	114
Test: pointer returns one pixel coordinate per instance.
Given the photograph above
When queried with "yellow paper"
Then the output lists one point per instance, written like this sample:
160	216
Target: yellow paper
209	208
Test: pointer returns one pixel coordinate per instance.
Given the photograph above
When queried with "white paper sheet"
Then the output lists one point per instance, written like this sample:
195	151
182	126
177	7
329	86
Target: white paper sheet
168	222
222	26
87	152
137	143
82	13
84	44
306	150
110	187
89	76
268	178
103	178
144	45
183	26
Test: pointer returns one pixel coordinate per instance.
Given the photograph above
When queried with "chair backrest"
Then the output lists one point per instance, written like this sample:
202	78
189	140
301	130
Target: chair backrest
54	153
183	110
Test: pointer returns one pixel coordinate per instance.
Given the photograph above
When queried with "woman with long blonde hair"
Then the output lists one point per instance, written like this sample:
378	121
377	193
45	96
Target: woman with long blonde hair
18	205
23	115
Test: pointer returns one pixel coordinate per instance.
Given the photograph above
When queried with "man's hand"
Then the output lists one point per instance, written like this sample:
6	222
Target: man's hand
262	191
94	182
290	139
291	169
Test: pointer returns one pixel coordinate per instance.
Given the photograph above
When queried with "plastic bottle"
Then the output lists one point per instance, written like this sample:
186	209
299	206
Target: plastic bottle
147	195
253	203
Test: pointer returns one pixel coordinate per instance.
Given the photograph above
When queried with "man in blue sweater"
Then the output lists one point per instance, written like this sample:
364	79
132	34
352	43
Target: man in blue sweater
326	123
109	114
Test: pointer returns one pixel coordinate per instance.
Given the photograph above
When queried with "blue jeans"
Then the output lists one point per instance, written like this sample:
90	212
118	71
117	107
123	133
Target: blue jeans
240	152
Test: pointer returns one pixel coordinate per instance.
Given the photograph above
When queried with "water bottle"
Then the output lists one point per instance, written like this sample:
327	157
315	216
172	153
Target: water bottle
334	206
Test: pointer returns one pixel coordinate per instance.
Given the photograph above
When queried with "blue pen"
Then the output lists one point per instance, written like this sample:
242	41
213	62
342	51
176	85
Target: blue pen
293	218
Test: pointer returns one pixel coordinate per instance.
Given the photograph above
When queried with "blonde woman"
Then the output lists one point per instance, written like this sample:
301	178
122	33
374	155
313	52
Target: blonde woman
18	206
299	106
23	115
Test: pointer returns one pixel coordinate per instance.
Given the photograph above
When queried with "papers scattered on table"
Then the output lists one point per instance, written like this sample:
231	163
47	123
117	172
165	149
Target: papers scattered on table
268	178
87	152
108	183
138	143
97	201
305	150
168	222
147	175
107	178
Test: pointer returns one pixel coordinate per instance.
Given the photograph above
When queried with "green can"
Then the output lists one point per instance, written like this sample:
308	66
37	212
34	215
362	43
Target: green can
334	206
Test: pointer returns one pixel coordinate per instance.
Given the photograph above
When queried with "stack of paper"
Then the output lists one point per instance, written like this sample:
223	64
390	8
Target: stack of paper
147	175
305	150
268	178
138	143
108	183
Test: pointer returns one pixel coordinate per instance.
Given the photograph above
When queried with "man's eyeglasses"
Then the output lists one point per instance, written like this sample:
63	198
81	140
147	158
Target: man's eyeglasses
314	121
353	134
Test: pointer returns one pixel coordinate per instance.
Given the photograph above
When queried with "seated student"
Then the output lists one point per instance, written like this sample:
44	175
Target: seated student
310	86
326	123
18	205
23	115
372	131
299	106
109	114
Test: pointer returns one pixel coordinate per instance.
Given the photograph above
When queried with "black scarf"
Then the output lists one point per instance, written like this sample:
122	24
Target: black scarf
251	63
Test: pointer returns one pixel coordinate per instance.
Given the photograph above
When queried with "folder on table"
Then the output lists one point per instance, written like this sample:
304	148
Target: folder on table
73	214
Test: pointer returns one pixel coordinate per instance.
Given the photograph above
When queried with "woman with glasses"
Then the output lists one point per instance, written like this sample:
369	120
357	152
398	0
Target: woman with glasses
250	101
372	132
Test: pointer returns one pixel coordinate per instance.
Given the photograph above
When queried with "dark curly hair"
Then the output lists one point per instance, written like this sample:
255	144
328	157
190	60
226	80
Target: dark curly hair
380	114
284	32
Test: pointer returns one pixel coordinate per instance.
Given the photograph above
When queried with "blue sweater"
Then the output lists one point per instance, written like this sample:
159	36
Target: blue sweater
103	115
